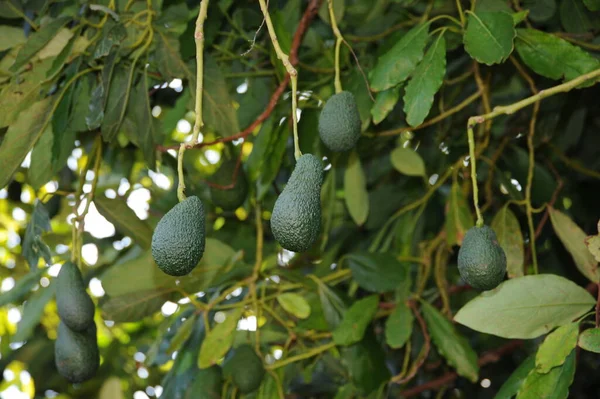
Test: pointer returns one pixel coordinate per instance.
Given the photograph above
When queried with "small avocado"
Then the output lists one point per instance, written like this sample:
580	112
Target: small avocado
481	259
179	237
245	369
206	385
76	353
232	198
296	218
75	307
339	122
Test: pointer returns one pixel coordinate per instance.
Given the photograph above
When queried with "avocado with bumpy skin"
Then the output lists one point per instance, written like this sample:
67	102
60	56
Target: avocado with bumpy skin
481	259
76	353
296	218
231	198
246	369
179	238
74	305
339	122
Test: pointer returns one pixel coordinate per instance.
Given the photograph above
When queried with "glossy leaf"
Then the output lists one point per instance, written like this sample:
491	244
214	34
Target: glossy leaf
450	344
590	340
355	188
294	304
458	216
400	61
489	36
512	385
124	218
573	238
398	327
425	82
526	307
34	247
384	104
356	320
133	306
219	340
553	385
408	162
556	347
376	272
507	229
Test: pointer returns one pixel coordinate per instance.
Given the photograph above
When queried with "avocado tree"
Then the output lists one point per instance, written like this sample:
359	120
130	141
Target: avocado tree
299	199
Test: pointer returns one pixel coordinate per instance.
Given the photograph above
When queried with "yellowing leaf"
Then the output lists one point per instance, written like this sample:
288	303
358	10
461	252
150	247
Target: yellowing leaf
458	216
219	340
556	347
111	389
553	385
507	229
11	36
593	244
384	104
56	44
574	239
590	340
355	188
294	304
408	162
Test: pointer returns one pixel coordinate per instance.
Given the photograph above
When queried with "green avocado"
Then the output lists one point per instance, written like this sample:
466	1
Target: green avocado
339	122
206	385
245	369
76	353
179	237
232	198
481	259
74	305
296	218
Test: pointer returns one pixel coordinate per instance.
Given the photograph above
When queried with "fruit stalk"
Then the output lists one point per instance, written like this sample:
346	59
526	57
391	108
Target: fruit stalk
285	60
472	159
338	44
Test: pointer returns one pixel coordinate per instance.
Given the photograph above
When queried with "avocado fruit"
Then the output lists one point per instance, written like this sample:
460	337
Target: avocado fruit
339	122
74	305
245	369
231	198
207	384
179	238
296	218
76	353
481	259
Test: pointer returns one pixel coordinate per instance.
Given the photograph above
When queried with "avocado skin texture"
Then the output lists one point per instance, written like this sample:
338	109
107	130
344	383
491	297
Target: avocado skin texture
296	218
481	259
179	238
339	122
76	353
234	197
206	385
245	369
74	305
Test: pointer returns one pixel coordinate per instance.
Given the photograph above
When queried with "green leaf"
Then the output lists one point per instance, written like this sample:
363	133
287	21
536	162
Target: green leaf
553	57
593	244
489	36
168	58
355	190
573	238
384	104
526	307
512	385
294	304
458	216
139	107
540	10
125	220
113	34
366	364
556	347
450	344
425	82
116	103
339	6
592	5
32	312
40	168
400	61
398	327
575	18
183	333
22	287
34	247
333	306
20	138
356	320
133	306
218	341
11	36
218	112
553	385
376	271
590	340
408	162
37	41
507	229
56	45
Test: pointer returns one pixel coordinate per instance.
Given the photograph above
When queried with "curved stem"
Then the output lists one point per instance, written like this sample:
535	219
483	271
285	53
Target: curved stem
474	172
338	44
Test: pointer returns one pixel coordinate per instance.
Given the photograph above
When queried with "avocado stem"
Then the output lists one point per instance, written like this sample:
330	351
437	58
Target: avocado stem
472	160
338	45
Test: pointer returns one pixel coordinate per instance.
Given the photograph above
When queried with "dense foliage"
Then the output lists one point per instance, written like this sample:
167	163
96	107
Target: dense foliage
472	113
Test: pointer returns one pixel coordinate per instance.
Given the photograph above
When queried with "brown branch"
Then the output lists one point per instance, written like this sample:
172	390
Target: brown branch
307	17
486	358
